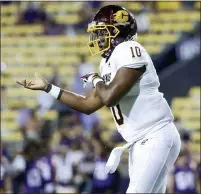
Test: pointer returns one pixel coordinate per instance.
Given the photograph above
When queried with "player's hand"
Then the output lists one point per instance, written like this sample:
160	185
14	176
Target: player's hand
38	83
89	78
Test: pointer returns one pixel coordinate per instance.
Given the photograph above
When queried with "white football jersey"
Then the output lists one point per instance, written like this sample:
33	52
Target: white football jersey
143	109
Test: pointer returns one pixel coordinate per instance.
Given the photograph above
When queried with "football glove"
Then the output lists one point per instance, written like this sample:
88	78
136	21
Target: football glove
92	78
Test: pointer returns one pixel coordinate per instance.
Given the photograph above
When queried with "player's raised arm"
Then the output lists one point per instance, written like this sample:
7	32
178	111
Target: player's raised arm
123	81
80	103
130	67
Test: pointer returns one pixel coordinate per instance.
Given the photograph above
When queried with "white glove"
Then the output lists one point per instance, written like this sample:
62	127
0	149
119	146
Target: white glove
114	158
92	78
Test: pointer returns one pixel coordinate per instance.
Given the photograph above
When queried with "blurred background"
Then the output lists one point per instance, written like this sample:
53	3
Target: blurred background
46	147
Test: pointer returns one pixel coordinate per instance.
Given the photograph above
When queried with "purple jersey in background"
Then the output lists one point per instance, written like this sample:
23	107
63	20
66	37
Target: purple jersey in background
47	172
33	179
184	180
103	182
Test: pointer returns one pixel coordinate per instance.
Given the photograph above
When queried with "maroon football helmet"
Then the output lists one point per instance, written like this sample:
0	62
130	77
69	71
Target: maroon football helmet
110	26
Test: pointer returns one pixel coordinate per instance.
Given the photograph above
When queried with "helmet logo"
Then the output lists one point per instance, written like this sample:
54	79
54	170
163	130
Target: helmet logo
121	17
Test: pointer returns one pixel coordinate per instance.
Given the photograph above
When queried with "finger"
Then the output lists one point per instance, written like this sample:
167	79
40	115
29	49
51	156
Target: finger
20	83
25	83
29	83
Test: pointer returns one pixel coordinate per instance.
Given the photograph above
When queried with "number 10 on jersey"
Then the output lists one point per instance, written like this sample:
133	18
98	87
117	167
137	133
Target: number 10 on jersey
117	114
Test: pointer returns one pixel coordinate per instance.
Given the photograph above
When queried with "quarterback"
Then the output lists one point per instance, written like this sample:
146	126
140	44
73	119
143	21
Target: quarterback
128	84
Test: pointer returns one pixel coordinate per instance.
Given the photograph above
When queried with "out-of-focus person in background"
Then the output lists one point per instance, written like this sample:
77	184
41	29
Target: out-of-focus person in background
47	167
103	182
183	178
33	179
63	168
85	167
27	175
18	166
70	130
33	13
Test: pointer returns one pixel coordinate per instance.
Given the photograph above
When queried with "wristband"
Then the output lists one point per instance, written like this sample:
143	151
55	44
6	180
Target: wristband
96	80
54	91
49	87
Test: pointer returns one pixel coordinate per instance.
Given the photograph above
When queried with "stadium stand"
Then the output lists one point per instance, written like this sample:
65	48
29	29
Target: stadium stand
188	110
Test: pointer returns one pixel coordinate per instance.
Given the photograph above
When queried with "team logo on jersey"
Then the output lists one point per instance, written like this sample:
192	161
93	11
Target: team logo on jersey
121	17
107	77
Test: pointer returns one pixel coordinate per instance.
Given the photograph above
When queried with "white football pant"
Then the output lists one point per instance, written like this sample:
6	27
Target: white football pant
151	158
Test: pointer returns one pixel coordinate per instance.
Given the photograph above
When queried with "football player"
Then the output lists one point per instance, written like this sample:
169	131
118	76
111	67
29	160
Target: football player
128	84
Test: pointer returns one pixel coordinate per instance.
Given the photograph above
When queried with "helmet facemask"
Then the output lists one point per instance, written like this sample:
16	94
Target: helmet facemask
111	25
100	37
